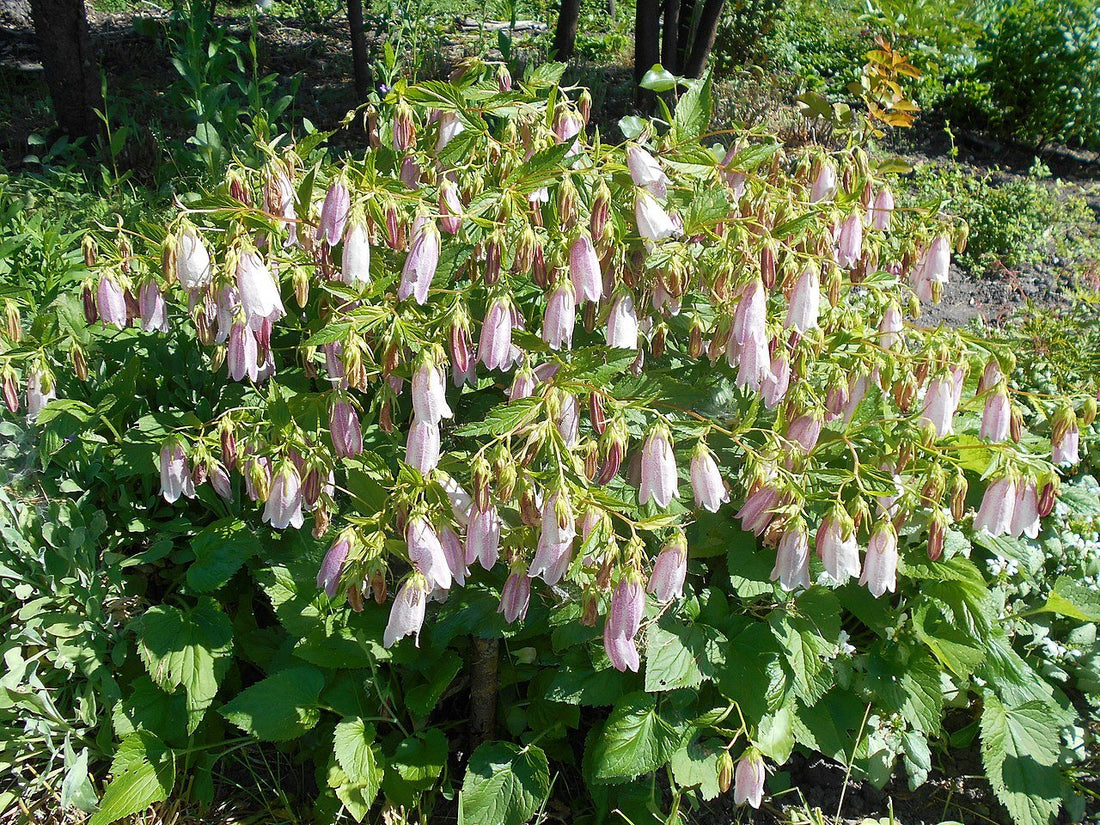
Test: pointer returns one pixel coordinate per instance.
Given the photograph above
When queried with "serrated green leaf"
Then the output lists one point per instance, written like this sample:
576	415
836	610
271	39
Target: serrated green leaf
693	111
636	739
1020	750
353	747
775	734
144	773
220	550
696	766
503	418
681	655
1074	601
191	649
504	784
283	706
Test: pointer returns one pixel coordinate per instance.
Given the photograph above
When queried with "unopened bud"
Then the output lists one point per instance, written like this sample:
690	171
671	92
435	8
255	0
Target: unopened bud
1048	494
80	363
937	531
301	286
1088	412
725	772
91	253
13	325
959	488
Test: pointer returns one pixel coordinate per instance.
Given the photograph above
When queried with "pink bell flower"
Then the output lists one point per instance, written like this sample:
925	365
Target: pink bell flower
623	622
659	482
997	507
355	260
450	127
880	566
805	431
111	302
192	261
584	269
494	348
334	213
837	548
850	243
890	327
41	390
706	481
283	507
420	263
622	323
347	435
429	395
422	446
645	171
259	294
241	355
1067	449
778	380
996	417
882	210
554	551
454	553
669	571
654	223
483	537
792	560
758	511
450	207
332	566
805	305
748	780
154	314
407	613
560	316
175	473
516	595
426	553
825	184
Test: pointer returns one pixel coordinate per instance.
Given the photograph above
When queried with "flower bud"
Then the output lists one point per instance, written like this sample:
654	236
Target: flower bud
80	364
937	531
725	772
332	566
10	390
404	127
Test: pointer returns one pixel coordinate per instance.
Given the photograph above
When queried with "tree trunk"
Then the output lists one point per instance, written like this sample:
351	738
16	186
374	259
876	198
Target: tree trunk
72	71
358	50
483	690
647	47
703	41
686	15
565	36
670	36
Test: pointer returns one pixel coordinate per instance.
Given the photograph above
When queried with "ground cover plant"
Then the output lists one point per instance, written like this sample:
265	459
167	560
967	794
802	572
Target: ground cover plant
480	470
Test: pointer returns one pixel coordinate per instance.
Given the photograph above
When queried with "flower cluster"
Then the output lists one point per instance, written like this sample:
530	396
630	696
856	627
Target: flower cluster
552	355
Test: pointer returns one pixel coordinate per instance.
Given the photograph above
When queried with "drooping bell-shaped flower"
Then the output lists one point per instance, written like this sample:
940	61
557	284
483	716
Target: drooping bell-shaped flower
523	384
241	354
584	269
850	244
567	127
750	318
219	480
555	545
429	395
659	482
857	391
560	317
175	472
332	566
837	547
991	376
1067	448
421	262
192	261
347	435
494	347
881	564
41	390
933	267
792	560
111	301
10	390
450	127
404	127
279	199
940	403
283	507
997	416
753	364
422	445
154	314
407	613
882	210
890	327
998	506
758	511
410	172
450	207
355	261
426	553
805	431
334	213
483	536
567	418
259	294
622	322
516	595
669	570
748	780
645	171
1025	510
623	622
454	553
778	381
824	187
654	223
805	302
706	481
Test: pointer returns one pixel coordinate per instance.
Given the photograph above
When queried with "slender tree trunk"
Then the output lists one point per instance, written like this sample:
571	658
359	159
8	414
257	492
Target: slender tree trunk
670	58
703	41
483	690
647	46
72	71
611	8
686	15
358	50
565	35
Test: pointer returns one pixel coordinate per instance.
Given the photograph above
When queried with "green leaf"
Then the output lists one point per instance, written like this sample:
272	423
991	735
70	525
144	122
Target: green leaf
503	418
681	655
636	739
658	79
908	683
422	699
353	747
189	648
419	759
220	549
696	766
693	111
950	644
584	685
1074	601
504	785
631	126
144	773
808	631
1020	750
775	734
282	706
